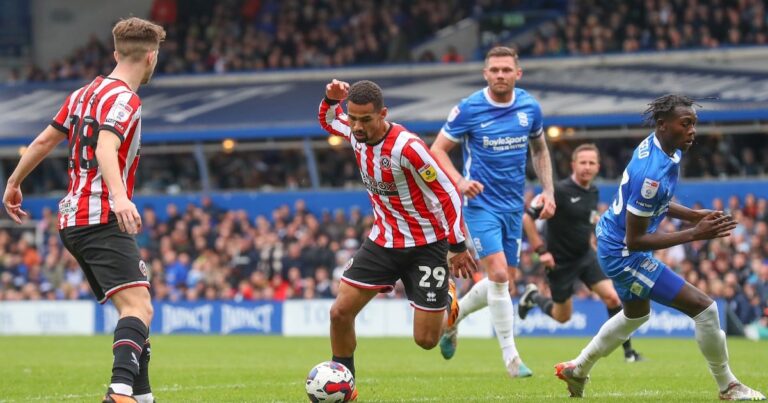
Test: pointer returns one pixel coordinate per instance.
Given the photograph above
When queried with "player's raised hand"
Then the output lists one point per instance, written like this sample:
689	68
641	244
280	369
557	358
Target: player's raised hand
12	202
461	264
714	225
470	188
547	201
128	218
337	90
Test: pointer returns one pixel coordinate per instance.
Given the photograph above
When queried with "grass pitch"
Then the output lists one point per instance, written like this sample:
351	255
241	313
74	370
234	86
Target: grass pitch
273	369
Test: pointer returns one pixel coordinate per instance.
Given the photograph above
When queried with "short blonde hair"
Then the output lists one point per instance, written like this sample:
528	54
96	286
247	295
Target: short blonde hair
134	37
502	51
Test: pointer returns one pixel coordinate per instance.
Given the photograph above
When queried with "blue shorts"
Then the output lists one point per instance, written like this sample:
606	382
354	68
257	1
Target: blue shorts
641	276
493	232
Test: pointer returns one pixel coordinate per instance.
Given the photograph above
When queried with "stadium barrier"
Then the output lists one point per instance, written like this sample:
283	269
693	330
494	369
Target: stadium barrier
381	318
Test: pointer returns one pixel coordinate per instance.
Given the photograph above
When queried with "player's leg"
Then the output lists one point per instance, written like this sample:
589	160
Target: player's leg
373	269
485	232
673	291
130	343
426	282
502	270
592	275
633	283
560	307
349	302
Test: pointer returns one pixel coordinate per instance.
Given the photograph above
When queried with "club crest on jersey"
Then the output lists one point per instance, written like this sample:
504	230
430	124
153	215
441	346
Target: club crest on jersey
523	118
650	188
428	173
143	268
385	163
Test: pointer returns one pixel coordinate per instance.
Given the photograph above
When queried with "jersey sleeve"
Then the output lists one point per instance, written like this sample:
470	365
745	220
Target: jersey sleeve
425	168
119	113
61	119
457	124
537	128
644	192
333	119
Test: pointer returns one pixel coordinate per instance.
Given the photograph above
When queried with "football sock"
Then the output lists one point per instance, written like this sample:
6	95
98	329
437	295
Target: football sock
130	334
141	383
502	317
146	398
627	344
348	362
543	302
475	299
711	340
613	332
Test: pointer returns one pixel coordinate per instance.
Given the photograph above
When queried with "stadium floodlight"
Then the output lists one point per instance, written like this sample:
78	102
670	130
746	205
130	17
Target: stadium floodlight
334	141
554	132
228	145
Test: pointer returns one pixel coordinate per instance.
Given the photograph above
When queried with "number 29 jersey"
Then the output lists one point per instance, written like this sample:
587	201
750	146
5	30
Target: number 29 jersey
647	187
104	104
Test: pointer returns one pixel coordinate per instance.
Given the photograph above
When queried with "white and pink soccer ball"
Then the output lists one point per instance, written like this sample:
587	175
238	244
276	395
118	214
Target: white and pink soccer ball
330	382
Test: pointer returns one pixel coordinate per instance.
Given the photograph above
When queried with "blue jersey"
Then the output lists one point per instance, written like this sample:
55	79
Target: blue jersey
647	186
495	143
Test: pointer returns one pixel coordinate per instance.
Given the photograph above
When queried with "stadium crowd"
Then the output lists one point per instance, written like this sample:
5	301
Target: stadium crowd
254	35
602	26
713	157
206	252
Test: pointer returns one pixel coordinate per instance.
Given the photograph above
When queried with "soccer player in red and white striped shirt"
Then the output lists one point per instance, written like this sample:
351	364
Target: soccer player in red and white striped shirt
97	219
418	226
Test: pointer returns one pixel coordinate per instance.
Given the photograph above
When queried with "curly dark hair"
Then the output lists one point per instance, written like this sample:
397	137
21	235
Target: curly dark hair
663	106
365	92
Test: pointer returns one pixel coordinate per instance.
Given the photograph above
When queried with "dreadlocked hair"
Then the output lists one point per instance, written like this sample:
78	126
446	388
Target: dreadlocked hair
663	106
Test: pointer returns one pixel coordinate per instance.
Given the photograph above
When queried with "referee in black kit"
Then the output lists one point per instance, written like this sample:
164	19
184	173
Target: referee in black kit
569	252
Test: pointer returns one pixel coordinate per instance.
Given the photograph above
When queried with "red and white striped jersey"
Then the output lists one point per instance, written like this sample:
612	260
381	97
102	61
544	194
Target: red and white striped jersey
104	104
414	201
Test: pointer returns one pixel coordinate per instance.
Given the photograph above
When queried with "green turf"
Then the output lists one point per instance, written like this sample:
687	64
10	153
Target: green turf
264	369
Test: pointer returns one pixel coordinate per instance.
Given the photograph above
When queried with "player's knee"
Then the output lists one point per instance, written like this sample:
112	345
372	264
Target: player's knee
612	301
425	340
340	315
561	317
498	274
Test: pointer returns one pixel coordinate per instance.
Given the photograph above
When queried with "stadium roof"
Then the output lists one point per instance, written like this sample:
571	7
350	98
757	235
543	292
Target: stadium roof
591	92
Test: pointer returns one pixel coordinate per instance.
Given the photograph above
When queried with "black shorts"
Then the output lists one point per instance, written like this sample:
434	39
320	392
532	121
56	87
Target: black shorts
109	257
563	277
423	270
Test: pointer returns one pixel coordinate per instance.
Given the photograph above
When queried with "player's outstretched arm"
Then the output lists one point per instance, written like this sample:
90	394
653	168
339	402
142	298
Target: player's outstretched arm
40	147
330	115
543	167
686	214
714	225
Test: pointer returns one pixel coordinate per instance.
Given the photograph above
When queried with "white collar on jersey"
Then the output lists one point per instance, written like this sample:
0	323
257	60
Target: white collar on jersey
498	104
675	157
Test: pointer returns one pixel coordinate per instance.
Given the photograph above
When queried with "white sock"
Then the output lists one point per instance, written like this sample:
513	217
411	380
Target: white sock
122	388
145	398
476	298
612	334
503	318
711	340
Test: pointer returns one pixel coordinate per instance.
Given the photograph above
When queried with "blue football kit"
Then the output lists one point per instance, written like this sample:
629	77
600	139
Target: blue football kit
647	187
494	139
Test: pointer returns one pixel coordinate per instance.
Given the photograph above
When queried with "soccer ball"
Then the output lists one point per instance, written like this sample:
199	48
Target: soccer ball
330	382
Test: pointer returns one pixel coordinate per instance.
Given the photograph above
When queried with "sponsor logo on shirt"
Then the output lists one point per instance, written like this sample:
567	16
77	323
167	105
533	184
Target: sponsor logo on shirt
505	143
379	187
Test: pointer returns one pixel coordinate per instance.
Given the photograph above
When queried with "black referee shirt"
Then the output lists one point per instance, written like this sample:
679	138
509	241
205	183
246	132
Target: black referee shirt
570	230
